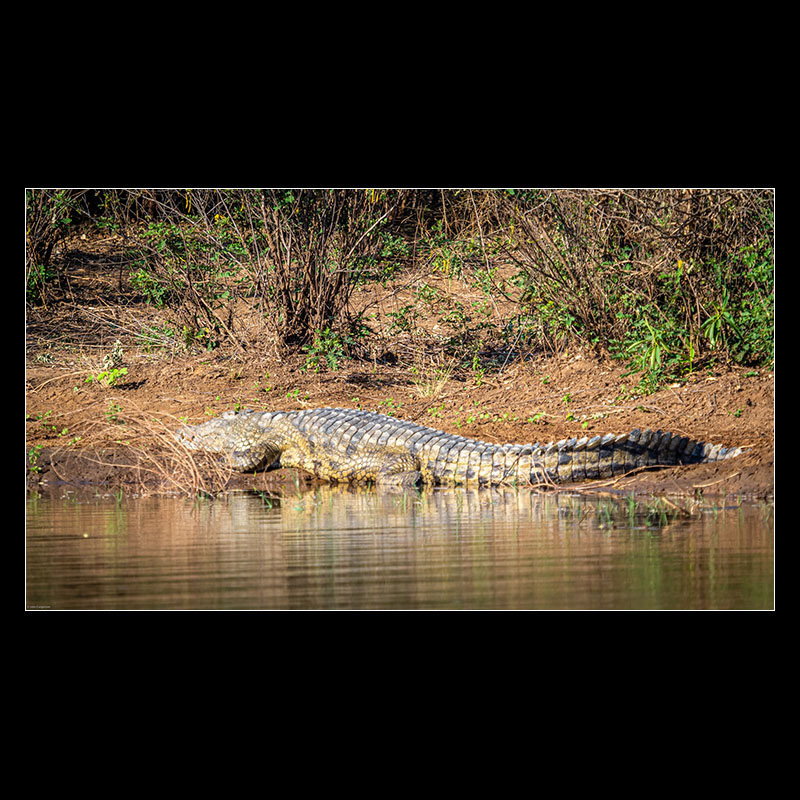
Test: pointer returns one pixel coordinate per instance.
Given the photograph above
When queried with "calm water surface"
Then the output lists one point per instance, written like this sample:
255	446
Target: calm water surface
334	548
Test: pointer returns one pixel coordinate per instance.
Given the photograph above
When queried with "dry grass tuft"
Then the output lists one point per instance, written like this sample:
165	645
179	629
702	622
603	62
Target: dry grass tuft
132	446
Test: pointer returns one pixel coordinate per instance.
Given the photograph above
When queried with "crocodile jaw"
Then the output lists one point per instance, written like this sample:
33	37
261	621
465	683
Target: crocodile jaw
251	448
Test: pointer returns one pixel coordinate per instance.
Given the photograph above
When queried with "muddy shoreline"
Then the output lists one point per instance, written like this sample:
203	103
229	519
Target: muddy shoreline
112	438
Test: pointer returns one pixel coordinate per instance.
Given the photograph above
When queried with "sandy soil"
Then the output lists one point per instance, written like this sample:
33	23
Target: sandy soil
542	400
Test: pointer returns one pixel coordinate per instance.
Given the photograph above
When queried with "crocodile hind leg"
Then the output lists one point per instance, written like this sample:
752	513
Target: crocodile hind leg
386	466
404	470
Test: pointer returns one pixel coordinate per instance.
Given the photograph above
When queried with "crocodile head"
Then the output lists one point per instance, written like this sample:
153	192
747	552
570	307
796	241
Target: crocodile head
243	437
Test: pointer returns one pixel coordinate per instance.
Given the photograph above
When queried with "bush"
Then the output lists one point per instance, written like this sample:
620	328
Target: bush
665	279
297	254
48	217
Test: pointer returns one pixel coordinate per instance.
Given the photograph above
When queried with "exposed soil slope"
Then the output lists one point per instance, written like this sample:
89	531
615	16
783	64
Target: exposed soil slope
544	399
84	433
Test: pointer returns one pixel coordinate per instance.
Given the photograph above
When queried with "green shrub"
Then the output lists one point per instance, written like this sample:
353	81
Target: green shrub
663	279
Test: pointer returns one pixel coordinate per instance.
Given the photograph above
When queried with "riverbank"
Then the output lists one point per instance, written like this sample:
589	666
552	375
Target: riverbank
111	372
83	433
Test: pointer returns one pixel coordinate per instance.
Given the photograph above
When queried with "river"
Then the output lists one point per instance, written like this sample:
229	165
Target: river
335	548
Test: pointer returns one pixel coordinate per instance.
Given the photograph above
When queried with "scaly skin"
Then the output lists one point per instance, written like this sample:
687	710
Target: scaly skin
346	445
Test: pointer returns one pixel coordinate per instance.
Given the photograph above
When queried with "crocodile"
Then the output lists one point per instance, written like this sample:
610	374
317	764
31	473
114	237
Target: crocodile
356	446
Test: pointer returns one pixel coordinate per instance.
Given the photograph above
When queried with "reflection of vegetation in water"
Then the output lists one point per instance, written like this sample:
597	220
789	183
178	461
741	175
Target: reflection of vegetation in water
334	547
521	549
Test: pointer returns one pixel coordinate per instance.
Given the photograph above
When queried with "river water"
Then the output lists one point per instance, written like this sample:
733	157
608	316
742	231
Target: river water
440	549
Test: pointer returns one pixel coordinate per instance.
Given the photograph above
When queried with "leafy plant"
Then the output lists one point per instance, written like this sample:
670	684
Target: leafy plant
327	348
389	406
33	458
38	277
108	378
112	413
112	371
155	291
402	319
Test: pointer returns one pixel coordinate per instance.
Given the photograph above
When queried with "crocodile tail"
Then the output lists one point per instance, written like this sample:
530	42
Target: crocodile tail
614	454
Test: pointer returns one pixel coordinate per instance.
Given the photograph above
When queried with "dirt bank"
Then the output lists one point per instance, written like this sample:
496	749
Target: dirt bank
87	434
79	431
